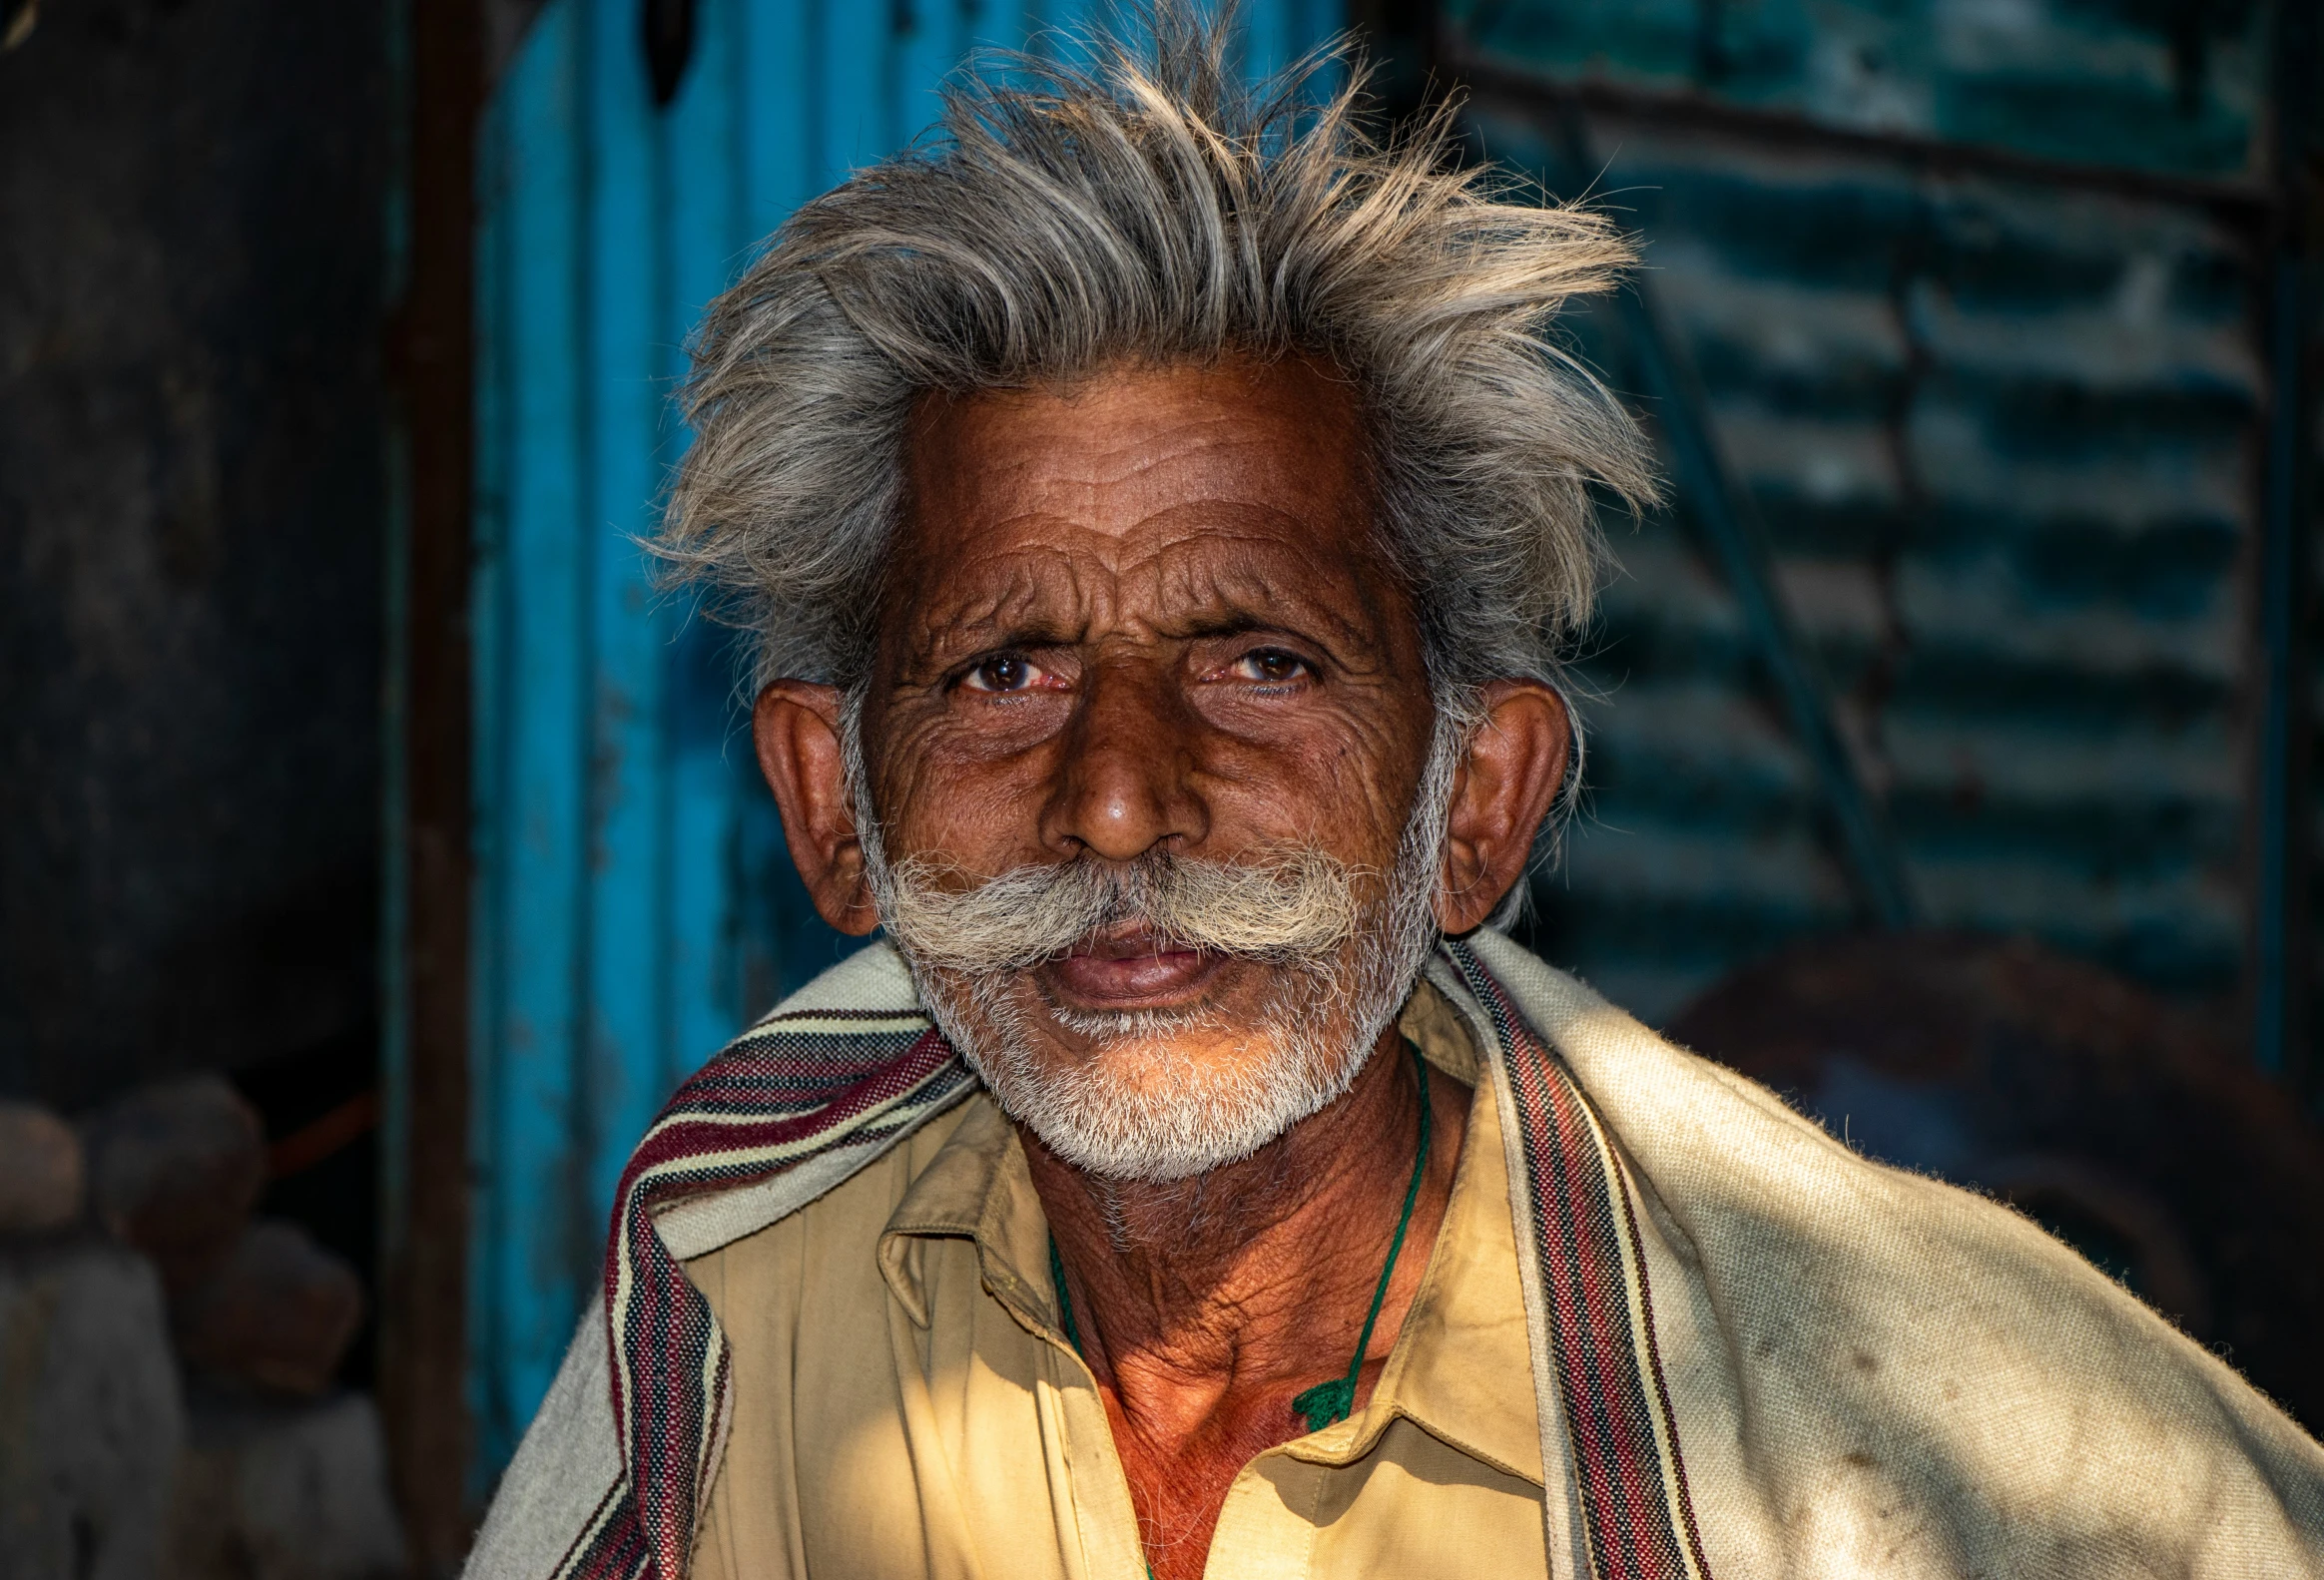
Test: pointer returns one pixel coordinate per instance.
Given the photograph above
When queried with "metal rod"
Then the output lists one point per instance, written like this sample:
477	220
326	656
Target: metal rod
2248	206
2277	873
430	345
2281	810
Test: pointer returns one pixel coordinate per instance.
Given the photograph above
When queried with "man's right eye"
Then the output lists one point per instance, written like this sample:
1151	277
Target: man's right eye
1003	673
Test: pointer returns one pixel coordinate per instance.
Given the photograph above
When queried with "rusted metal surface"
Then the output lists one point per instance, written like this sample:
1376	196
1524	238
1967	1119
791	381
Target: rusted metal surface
2003	405
1734	540
191	487
2120	1122
2177	90
2002	440
2234	194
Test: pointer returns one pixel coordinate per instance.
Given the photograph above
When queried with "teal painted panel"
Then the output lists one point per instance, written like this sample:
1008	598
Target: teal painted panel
634	903
2002	435
532	751
2168	88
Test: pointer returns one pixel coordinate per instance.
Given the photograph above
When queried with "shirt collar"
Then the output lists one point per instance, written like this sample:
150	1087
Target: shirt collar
1461	1370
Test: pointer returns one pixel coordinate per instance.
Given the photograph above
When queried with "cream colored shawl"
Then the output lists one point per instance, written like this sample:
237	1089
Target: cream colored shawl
1869	1372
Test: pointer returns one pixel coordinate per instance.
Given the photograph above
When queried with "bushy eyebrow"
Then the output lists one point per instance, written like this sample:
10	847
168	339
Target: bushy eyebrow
1355	654
1034	606
1264	605
945	643
1233	623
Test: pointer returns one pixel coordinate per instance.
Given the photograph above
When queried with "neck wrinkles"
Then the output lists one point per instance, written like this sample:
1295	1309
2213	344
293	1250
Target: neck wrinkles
1255	1276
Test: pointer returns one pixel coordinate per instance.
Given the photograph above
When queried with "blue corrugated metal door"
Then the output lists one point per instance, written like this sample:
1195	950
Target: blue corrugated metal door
634	902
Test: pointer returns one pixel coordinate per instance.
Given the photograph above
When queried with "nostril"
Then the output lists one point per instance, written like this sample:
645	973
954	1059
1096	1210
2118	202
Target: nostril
1121	785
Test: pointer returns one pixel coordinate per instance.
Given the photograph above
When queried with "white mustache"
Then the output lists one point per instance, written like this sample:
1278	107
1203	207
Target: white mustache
1294	906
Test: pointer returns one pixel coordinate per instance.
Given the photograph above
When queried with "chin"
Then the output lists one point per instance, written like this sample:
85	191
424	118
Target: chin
1160	1095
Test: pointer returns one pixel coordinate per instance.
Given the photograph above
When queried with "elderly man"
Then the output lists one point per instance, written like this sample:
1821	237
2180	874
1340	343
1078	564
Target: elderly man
1160	517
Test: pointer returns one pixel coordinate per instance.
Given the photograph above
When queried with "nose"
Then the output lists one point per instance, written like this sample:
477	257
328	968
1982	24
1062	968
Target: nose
1123	781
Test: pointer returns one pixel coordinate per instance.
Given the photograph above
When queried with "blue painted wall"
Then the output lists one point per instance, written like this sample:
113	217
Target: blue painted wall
634	902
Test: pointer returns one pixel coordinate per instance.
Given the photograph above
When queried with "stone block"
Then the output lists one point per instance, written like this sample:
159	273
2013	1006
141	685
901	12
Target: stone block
41	1170
278	1310
91	1419
174	1170
271	1490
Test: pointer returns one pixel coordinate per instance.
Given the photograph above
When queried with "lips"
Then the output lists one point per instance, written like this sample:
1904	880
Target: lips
1129	969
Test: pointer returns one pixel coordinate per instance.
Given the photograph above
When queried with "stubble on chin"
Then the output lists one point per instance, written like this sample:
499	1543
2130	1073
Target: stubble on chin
1157	1097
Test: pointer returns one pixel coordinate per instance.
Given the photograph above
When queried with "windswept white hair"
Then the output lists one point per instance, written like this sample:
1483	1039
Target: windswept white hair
1150	209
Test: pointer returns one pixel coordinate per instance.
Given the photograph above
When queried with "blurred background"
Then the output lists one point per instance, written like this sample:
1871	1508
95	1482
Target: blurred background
377	848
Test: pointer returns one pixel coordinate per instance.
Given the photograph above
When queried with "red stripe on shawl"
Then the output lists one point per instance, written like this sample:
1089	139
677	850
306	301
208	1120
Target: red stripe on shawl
1598	1276
1562	1250
1632	1484
671	1413
680	1138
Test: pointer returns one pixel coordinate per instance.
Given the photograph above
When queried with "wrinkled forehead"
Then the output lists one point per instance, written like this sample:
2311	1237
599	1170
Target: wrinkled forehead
1156	501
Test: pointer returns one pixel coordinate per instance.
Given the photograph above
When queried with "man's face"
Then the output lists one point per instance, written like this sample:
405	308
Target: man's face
1147	782
1141	626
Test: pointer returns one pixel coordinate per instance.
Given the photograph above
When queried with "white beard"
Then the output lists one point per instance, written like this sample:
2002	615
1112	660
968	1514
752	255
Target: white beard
1155	1099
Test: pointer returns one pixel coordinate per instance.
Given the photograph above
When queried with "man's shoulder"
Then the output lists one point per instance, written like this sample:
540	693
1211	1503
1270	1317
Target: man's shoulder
872	979
850	1213
841	1027
1768	1199
1928	1330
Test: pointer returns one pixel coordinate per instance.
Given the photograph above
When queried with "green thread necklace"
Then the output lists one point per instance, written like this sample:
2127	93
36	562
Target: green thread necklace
1335	1400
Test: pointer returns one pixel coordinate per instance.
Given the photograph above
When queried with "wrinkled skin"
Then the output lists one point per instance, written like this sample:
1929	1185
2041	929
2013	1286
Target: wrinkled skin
1145	612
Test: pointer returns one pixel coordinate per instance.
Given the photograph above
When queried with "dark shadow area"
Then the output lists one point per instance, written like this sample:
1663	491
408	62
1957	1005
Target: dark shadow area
195	489
2120	1124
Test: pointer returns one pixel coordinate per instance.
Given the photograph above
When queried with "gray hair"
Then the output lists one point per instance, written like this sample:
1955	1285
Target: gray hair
1145	210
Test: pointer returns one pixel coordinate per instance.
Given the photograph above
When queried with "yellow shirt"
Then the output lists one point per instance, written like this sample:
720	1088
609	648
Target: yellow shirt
906	1405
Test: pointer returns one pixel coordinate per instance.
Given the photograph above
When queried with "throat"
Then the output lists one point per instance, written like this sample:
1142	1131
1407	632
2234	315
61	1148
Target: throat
1225	1206
1226	1314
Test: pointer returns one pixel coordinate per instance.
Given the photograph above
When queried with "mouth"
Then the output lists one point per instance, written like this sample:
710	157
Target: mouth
1130	967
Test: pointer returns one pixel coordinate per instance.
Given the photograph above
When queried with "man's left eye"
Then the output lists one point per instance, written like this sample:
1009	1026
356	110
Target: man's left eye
1272	667
1005	672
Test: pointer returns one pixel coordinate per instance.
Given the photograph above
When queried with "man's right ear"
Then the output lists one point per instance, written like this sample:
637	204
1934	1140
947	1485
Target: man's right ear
796	728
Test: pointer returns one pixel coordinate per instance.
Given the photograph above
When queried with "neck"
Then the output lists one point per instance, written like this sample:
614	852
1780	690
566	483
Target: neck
1205	1304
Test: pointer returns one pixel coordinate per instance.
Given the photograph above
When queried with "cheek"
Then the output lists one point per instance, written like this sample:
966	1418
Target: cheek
946	795
1343	781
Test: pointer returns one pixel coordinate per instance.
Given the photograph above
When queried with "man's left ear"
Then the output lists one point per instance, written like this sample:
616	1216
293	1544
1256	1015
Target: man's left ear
1510	775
